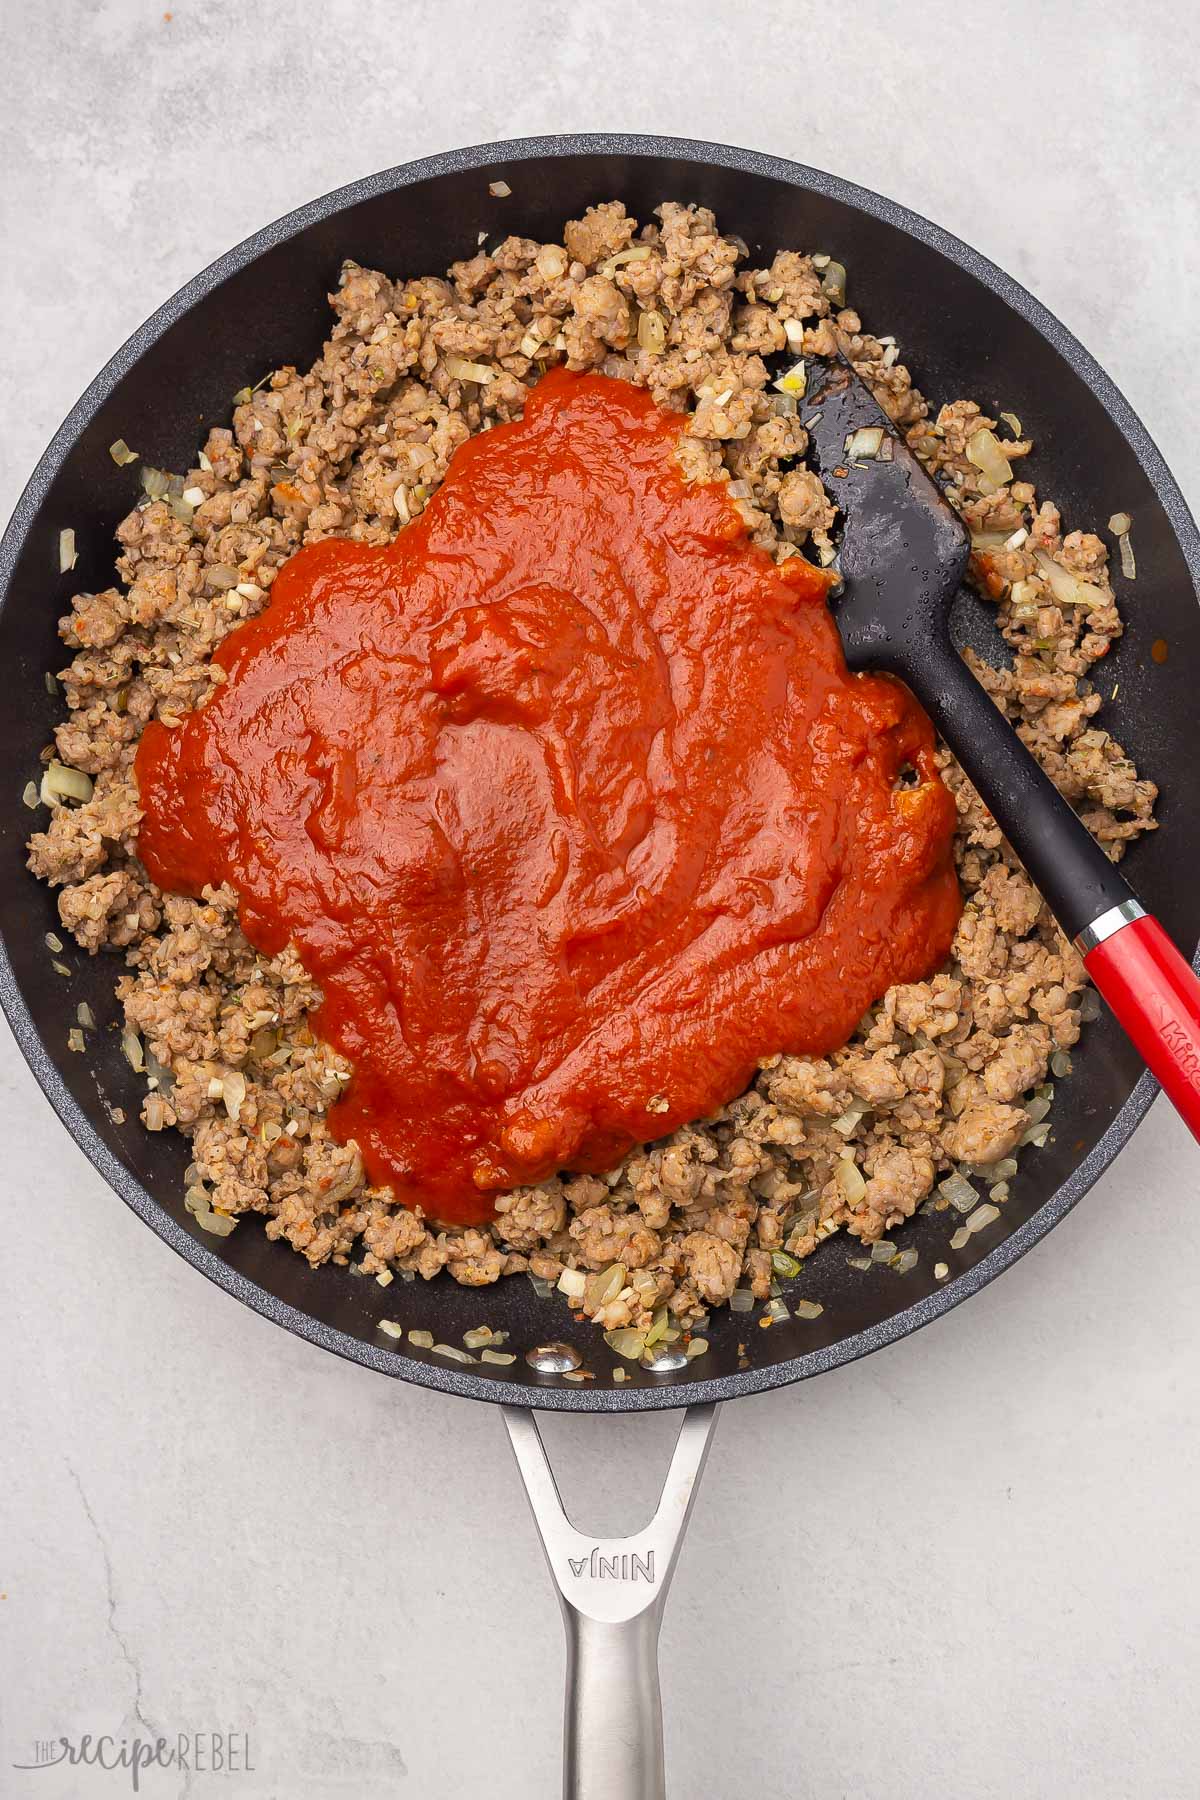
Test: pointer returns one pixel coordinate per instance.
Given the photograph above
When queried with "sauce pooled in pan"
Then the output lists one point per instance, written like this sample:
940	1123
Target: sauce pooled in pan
568	801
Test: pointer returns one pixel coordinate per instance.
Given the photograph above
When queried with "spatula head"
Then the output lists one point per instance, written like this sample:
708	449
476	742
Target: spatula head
904	550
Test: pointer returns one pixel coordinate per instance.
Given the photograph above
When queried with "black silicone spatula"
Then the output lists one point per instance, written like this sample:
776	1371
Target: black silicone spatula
903	557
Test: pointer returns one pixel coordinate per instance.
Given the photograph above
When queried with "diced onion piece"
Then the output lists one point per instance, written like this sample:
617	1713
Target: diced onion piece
861	1263
67	554
499	190
1017	539
1120	523
1037	1108
233	1092
30	796
530	345
75	1039
604	1287
86	1016
461	370
741	1300
793	381
631	253
1068	589
940	1271
998	1193
793	330
422	1339
652	333
1036	1135
541	1287
503	1357
961	1236
1013	423
907	1259
121	453
53	941
552	262
982	1217
696	1346
785	1264
219	1224
849	1178
989	540
1128	560
833	281
865	443
452	1353
573	1283
194	496
62	783
882	1251
627	1343
809	1309
958	1191
659	1328
156	482
391	1328
478	1336
985	451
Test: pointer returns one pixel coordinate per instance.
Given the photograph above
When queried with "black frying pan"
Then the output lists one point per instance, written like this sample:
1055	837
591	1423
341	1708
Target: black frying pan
966	329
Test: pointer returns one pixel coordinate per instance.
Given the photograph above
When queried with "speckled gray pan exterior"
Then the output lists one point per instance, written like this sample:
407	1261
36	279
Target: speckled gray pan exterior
966	328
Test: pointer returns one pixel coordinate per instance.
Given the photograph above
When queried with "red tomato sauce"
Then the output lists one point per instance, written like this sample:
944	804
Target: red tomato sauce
568	801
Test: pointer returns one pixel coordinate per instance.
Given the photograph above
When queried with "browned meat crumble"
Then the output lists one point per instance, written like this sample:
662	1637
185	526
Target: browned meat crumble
938	1074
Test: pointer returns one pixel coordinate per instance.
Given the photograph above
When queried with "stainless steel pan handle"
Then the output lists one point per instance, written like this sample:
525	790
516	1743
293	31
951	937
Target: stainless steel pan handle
613	1592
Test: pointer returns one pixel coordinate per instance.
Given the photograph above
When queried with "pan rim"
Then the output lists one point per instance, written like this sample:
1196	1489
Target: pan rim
667	1391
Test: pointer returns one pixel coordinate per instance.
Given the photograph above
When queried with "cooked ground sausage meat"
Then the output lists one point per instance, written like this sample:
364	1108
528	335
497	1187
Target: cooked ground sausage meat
937	1075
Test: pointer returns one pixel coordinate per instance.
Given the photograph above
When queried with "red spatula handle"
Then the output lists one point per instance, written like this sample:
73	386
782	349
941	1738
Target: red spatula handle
1156	997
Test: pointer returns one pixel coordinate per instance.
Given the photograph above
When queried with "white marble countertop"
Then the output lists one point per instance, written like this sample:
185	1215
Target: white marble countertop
965	1567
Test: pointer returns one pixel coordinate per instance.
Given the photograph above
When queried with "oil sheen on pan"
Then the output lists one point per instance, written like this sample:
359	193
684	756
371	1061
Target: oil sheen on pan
568	801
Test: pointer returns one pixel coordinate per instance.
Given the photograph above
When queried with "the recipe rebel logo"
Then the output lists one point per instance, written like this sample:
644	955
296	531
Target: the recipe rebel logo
188	1752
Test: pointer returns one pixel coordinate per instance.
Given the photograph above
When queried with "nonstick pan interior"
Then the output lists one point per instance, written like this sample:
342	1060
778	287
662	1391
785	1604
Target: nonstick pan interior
966	330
